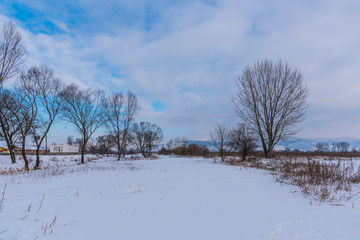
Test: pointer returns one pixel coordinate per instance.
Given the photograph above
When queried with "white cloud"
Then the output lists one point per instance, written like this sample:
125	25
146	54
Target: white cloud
190	57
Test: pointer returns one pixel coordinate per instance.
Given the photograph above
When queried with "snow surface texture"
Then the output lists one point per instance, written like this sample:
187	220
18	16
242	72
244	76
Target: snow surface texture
168	198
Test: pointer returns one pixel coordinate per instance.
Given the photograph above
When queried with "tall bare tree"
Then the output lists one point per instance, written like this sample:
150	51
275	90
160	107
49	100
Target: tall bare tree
12	52
12	57
83	108
8	122
120	114
271	99
145	136
47	89
219	137
24	109
242	139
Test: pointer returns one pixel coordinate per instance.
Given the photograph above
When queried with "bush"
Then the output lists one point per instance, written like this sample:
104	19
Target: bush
190	150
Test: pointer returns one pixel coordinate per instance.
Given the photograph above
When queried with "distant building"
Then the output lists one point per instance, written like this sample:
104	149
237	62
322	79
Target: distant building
64	148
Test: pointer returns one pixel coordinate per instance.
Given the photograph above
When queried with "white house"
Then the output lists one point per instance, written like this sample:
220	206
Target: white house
64	148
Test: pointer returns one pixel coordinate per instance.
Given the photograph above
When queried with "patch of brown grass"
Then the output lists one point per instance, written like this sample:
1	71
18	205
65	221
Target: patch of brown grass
323	179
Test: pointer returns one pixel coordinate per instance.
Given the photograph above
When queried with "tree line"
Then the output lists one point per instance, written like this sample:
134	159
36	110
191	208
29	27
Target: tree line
39	100
181	147
333	147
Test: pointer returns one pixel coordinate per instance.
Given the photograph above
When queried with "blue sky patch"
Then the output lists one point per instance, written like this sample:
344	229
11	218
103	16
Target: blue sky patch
157	106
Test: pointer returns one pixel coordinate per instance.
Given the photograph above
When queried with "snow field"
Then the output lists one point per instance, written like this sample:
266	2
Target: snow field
168	198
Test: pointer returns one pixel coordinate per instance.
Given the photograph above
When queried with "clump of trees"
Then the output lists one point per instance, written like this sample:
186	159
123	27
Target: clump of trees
242	140
145	136
239	139
335	147
39	100
322	147
104	145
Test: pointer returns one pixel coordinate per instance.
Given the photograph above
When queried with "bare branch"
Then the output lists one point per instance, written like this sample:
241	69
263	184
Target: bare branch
12	52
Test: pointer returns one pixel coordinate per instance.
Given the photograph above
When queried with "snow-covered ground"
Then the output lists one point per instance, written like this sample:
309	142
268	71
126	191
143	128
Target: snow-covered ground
168	198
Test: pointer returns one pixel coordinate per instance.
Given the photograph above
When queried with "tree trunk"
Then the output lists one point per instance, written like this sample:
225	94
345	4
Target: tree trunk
82	161
23	153
267	153
83	154
37	164
221	155
244	154
8	142
12	155
119	154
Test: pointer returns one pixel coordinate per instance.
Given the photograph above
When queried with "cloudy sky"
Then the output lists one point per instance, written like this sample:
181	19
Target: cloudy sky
181	58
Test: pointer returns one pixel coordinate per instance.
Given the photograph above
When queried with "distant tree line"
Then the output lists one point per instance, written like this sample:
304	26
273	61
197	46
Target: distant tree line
39	100
334	147
180	147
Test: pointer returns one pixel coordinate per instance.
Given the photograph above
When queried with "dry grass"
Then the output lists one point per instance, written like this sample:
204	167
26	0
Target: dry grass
2	199
58	168
321	178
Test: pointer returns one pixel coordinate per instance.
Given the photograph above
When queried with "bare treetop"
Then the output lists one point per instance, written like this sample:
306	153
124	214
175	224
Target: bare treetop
82	107
12	52
271	99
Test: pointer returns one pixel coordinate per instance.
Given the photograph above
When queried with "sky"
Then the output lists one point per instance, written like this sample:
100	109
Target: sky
182	58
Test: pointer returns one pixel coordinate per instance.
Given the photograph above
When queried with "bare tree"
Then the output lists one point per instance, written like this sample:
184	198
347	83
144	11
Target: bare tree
70	140
24	109
170	145
343	146
12	57
145	136
12	52
83	108
335	147
9	125
120	114
322	147
242	140
179	142
219	138
47	89
271	99
104	144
